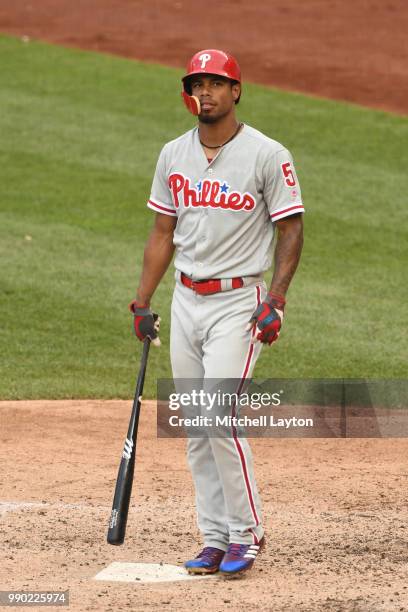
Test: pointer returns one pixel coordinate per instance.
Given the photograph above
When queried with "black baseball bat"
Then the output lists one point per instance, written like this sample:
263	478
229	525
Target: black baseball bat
124	482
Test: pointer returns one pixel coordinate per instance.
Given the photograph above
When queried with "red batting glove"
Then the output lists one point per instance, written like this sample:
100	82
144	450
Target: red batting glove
146	324
267	319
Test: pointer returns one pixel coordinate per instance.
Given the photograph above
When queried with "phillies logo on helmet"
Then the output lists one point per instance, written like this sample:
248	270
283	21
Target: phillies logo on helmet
208	192
204	57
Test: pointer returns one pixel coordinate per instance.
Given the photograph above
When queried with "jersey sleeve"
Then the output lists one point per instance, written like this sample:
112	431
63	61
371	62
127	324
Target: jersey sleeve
160	196
281	186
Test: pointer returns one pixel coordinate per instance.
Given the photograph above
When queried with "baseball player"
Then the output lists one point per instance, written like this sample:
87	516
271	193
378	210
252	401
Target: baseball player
220	192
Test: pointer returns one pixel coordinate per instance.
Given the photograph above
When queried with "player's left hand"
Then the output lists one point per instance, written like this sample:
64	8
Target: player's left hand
267	319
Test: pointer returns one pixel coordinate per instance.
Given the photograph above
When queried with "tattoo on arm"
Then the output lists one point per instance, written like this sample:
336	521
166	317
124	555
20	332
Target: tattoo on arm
287	254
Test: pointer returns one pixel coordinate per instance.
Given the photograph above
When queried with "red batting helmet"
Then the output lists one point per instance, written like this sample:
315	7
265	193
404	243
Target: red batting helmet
212	61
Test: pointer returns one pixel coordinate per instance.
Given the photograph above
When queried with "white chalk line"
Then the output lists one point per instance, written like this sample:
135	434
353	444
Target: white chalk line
15	506
327	516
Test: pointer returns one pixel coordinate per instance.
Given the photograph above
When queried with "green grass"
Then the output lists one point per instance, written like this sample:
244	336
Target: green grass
79	138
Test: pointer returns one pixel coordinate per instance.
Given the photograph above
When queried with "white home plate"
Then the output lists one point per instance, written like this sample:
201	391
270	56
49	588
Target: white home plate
145	572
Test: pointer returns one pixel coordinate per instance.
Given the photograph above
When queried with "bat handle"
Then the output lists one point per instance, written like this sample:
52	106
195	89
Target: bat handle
139	386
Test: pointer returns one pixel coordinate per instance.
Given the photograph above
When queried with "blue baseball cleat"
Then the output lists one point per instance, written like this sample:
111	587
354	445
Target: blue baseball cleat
240	558
207	561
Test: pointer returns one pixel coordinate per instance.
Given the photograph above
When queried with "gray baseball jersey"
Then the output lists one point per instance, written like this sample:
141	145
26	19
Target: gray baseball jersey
225	212
224	208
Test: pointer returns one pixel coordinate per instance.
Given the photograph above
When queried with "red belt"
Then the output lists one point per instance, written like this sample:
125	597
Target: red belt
208	286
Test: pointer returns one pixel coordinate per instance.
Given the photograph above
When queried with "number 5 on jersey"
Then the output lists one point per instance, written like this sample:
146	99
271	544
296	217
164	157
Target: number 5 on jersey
288	174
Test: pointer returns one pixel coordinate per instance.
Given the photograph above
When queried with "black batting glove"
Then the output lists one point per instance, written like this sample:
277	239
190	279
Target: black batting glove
146	324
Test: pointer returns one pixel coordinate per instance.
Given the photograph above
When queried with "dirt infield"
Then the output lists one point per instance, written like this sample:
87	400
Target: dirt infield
335	513
340	49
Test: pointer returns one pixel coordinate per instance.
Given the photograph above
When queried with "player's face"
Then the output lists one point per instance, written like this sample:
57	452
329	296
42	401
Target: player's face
217	96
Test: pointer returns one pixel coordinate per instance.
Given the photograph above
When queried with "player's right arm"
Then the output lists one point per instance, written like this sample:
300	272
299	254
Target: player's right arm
158	254
157	257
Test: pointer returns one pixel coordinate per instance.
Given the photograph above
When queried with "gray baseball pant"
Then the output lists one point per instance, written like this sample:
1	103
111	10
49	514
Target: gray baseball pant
208	341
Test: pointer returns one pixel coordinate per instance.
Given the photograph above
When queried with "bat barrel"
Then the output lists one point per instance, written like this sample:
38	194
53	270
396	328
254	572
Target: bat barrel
121	501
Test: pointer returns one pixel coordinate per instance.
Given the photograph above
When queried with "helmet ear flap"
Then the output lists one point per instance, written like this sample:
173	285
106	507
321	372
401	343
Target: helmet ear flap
192	103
